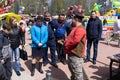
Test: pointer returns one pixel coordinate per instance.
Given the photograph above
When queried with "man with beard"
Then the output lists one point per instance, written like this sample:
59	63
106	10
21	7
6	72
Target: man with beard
75	48
60	30
51	40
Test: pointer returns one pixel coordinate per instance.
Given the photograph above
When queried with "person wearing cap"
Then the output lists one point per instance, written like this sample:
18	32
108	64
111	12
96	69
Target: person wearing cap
5	55
75	48
72	11
39	35
94	31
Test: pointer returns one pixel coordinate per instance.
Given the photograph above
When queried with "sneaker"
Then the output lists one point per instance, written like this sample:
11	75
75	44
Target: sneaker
18	73
41	71
32	74
86	60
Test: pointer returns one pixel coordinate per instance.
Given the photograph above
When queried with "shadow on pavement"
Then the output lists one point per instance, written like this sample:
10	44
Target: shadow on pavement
13	66
97	62
101	73
104	42
114	45
110	44
22	69
28	64
58	74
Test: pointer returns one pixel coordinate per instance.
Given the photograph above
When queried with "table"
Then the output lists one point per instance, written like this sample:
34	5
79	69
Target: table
114	58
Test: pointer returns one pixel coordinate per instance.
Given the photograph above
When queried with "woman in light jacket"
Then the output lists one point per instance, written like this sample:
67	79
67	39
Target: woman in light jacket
39	35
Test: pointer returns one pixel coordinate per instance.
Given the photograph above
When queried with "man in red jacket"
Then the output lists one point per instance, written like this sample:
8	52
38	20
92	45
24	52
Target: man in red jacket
75	47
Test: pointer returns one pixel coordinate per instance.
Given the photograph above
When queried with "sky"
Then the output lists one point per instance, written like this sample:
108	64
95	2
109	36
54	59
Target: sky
49	1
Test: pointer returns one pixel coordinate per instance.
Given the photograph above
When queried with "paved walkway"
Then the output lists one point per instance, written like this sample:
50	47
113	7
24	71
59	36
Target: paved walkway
100	71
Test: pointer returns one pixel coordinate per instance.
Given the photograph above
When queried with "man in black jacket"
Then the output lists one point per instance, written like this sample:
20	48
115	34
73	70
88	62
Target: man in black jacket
94	31
5	57
51	40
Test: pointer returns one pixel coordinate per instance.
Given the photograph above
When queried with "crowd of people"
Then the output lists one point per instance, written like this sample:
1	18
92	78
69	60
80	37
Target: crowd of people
66	35
11	37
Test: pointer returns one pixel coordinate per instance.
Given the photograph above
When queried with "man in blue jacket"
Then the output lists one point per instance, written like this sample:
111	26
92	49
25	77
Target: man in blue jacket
60	31
51	41
94	31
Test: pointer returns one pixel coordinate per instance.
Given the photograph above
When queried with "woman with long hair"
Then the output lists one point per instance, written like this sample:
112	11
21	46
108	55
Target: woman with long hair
15	41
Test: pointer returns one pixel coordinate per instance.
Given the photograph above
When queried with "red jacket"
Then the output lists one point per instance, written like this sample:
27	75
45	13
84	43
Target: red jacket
75	43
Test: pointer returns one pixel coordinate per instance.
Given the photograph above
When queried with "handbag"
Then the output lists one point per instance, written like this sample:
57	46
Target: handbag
23	53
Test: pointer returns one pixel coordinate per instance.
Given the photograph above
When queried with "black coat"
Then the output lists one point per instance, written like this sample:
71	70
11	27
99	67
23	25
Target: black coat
3	75
15	37
94	28
51	35
3	41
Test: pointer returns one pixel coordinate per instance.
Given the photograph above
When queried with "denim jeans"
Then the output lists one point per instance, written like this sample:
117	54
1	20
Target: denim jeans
15	53
95	46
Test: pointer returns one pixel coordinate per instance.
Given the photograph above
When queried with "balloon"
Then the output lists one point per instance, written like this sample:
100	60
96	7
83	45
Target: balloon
23	8
5	5
20	7
96	8
115	3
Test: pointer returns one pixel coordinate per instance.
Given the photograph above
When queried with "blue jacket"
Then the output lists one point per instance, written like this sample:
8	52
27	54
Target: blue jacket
94	28
39	34
60	29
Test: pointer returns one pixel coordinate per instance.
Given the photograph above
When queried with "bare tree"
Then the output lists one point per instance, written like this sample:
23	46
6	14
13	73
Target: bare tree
58	6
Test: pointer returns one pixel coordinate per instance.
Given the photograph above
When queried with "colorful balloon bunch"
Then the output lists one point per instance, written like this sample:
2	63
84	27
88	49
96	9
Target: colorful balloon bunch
21	9
5	5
